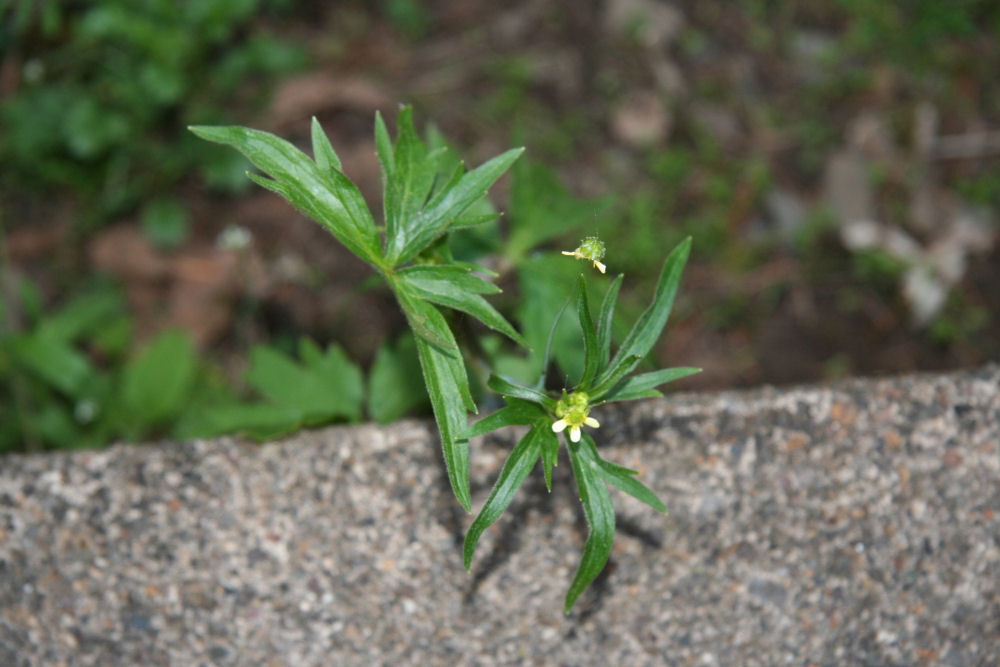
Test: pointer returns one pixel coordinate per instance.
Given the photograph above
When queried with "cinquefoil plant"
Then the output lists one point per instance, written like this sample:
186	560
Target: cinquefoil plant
426	197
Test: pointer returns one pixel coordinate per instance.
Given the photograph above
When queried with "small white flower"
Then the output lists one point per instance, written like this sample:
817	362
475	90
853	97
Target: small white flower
573	412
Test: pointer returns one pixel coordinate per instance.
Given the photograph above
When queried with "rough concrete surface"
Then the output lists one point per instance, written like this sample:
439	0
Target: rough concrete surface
855	524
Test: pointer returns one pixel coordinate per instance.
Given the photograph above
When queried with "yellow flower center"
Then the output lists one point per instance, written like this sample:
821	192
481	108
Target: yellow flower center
573	412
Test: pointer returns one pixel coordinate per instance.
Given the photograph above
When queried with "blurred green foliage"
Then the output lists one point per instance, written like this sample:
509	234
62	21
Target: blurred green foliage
105	89
919	34
102	93
71	377
322	386
68	378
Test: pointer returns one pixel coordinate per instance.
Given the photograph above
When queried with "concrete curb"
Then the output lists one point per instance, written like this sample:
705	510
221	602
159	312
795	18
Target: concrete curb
851	524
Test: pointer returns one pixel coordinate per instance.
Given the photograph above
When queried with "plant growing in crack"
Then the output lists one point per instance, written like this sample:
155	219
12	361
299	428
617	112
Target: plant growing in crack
604	379
427	196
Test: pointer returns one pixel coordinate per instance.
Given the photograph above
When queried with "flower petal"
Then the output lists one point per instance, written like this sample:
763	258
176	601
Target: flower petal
591	422
600	267
559	426
574	433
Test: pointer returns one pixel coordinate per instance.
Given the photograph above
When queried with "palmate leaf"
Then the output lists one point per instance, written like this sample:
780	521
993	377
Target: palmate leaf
650	324
324	386
427	193
600	515
324	194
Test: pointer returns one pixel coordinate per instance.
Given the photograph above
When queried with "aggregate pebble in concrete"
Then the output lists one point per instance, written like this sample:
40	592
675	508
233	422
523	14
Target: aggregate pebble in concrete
853	524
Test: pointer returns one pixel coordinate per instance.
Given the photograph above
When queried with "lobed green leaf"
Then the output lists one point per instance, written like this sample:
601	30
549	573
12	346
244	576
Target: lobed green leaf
157	382
409	183
650	324
325	386
419	231
515	470
604	320
600	514
644	385
516	412
550	451
508	388
456	274
326	158
395	382
454	293
449	413
55	361
591	353
617	373
326	195
420	316
622	478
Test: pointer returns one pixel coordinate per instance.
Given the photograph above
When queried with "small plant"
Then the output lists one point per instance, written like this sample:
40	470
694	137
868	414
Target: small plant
428	197
605	379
